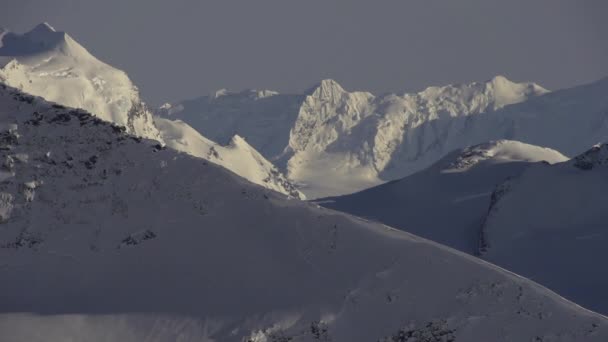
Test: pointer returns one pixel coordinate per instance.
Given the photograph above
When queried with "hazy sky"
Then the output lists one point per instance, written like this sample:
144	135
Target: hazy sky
178	49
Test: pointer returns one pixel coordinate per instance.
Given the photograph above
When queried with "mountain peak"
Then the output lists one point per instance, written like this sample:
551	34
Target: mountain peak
500	79
596	156
43	27
325	88
41	38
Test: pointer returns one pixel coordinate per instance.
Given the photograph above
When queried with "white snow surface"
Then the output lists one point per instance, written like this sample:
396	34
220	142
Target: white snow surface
333	141
238	156
123	240
51	64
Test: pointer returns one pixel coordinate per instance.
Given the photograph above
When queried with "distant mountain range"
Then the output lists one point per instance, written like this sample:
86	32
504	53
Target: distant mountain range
331	141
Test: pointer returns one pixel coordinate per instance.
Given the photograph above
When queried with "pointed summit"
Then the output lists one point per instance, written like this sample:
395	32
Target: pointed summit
41	38
327	88
43	27
596	156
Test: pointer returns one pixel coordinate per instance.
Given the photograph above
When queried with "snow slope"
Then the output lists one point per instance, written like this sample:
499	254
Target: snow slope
546	222
340	141
238	156
108	237
550	224
447	201
52	65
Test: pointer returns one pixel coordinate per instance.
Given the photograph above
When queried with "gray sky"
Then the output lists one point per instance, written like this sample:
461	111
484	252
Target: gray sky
181	49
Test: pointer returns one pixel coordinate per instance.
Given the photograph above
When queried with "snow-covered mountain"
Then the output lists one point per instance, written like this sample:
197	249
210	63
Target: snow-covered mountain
237	156
447	201
109	237
546	222
51	64
333	141
550	224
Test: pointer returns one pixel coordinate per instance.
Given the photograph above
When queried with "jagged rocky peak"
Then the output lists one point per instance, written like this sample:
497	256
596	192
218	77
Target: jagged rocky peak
595	157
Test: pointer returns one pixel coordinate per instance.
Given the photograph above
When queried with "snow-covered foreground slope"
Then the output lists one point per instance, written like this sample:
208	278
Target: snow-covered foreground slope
238	156
447	201
107	237
333	141
52	65
551	224
546	222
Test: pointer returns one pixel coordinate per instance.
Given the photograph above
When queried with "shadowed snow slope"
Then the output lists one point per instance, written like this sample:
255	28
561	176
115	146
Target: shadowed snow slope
550	224
333	141
106	237
546	222
446	202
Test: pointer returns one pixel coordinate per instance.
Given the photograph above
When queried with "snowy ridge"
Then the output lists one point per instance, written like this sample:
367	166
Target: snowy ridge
525	208
559	210
447	201
334	133
238	156
503	151
51	64
130	251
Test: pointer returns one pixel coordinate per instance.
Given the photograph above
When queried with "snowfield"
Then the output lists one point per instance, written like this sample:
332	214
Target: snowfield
109	237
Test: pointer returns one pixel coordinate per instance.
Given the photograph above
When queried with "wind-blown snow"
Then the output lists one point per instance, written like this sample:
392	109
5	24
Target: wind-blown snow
123	240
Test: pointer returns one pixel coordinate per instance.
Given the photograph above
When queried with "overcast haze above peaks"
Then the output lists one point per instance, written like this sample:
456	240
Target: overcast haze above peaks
181	49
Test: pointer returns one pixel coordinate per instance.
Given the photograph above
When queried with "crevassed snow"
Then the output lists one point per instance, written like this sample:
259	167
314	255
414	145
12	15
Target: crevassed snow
126	241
